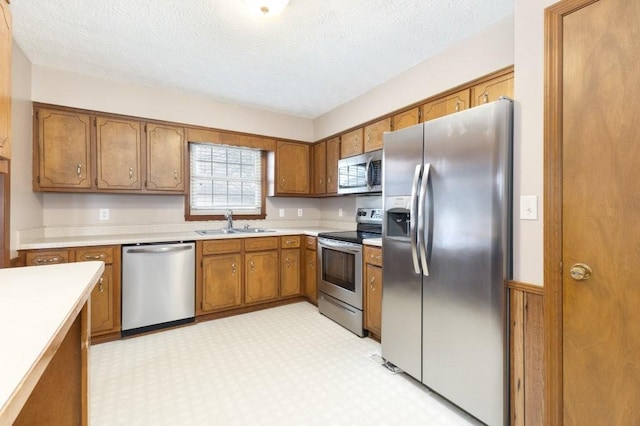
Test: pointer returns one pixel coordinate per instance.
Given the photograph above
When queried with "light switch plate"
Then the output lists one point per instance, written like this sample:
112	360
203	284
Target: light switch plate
529	207
281	212
300	212
104	214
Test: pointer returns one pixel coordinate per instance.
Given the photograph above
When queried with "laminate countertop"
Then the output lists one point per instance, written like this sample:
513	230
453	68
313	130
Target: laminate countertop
38	304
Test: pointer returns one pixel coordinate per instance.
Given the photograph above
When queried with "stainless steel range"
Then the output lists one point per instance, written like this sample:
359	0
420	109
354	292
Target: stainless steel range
340	270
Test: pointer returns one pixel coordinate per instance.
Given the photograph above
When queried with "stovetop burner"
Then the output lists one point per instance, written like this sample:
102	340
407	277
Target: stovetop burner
369	226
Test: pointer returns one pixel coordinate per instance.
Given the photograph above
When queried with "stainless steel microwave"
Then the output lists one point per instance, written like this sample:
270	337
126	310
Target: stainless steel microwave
361	173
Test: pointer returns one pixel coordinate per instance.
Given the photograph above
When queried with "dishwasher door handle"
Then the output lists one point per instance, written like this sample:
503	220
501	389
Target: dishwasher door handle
159	249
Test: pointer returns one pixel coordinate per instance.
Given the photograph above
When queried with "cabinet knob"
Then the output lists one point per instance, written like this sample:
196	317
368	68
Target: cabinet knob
253	266
233	268
371	286
457	106
130	173
100	288
93	257
485	97
79	170
175	175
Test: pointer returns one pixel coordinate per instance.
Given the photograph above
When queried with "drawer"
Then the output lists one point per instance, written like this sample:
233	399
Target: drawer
221	246
262	243
373	255
47	257
310	243
290	241
95	253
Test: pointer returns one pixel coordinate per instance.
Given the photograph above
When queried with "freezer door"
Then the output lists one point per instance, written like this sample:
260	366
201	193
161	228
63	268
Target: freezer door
468	226
401	299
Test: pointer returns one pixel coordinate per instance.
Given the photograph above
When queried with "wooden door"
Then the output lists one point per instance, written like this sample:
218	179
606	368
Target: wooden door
405	119
118	149
310	274
373	134
5	80
333	155
261	276
448	105
352	143
64	151
591	215
165	158
373	299
292	168
290	273
320	168
492	90
221	282
102	319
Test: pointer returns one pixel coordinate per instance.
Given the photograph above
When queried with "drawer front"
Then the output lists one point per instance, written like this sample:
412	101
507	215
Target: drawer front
290	241
310	243
104	254
221	246
373	255
47	257
262	243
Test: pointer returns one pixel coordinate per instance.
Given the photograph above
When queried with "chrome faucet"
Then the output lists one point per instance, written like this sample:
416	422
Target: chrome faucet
229	216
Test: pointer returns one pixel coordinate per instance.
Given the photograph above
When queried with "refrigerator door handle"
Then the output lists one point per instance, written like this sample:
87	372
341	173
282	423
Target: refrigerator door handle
414	219
422	237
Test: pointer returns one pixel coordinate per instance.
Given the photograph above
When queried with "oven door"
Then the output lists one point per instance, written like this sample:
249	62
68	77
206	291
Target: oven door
340	271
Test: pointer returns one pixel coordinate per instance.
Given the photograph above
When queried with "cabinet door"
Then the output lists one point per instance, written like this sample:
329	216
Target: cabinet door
102	312
47	257
491	90
5	80
310	277
373	299
405	119
290	273
221	282
333	155
445	106
118	148
64	152
373	134
352	143
320	168
261	276
165	158
292	168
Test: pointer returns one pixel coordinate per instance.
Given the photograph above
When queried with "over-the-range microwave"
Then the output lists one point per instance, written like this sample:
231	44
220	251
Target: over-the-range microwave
361	173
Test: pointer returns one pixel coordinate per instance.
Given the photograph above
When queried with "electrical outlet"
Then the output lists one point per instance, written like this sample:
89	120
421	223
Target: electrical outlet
529	207
340	212
104	214
300	212
281	212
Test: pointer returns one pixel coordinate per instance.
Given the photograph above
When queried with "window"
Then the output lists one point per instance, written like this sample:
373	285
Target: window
225	178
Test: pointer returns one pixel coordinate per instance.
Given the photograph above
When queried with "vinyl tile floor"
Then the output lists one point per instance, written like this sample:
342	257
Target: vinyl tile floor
282	366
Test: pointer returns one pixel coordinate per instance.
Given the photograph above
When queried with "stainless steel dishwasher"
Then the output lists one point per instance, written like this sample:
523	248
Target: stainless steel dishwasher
158	286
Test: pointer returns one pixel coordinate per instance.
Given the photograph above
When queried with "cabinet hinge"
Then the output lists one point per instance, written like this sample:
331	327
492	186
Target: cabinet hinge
561	268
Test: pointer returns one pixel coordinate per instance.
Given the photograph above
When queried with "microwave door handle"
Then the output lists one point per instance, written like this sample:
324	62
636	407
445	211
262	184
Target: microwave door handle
422	232
367	168
413	232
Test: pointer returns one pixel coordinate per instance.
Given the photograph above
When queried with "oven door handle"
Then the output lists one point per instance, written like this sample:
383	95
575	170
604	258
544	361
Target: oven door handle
341	247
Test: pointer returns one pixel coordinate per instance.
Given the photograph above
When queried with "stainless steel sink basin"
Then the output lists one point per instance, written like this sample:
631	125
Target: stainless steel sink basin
225	231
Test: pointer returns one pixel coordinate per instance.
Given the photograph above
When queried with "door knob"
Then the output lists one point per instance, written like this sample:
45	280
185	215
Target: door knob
580	272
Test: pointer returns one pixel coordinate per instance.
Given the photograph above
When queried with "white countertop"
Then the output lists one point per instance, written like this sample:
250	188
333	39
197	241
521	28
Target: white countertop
152	237
372	242
35	304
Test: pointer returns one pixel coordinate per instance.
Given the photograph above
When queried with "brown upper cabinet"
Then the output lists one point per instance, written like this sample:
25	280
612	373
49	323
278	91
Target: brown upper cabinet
165	158
77	151
119	151
445	106
5	80
292	168
63	150
405	119
320	168
492	90
333	155
352	143
373	134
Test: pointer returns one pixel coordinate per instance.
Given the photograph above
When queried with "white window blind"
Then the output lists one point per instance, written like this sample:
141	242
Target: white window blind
225	177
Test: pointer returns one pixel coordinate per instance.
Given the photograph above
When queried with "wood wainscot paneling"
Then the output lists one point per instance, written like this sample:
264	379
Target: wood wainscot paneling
526	354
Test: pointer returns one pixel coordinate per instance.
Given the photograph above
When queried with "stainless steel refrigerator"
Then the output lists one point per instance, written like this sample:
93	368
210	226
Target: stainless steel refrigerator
447	253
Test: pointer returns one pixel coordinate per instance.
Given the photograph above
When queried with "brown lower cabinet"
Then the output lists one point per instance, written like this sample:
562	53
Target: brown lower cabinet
105	297
373	290
310	270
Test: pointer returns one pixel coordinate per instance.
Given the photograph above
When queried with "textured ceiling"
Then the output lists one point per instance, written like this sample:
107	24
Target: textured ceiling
314	57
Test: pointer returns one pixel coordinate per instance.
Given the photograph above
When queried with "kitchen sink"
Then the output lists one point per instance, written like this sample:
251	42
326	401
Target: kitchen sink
225	231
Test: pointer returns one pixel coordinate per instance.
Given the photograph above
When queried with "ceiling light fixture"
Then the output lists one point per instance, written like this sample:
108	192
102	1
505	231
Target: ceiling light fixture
267	7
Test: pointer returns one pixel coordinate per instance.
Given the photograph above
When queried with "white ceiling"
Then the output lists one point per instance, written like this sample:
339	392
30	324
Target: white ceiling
314	57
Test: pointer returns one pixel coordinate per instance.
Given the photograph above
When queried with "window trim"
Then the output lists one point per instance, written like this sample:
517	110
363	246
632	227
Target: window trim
236	215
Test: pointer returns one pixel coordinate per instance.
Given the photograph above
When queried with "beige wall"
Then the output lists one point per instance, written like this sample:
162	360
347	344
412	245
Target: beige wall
26	206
